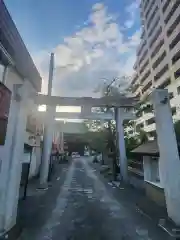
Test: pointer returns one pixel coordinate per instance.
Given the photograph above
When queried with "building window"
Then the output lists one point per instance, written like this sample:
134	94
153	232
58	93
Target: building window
151	17
150	121
166	5
145	76
173	26
175	6
171	95
176	57
144	66
160	74
143	57
159	60
141	49
146	4
177	74
149	10
154	27
155	37
145	88
173	109
178	90
166	83
157	49
175	41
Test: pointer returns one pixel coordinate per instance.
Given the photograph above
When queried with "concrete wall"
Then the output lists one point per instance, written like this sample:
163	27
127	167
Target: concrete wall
11	153
155	193
35	163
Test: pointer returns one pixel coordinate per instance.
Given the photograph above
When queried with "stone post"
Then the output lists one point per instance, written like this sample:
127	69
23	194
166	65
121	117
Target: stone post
121	144
150	169
169	163
147	168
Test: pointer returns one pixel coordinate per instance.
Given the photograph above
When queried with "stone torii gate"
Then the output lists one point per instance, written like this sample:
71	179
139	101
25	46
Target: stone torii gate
123	104
169	166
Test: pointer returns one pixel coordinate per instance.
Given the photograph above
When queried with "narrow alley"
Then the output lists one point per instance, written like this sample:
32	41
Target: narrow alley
85	208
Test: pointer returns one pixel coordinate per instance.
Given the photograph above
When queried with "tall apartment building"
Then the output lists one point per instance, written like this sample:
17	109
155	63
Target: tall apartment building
158	56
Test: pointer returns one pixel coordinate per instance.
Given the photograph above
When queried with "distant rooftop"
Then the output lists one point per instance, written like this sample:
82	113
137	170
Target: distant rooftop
12	43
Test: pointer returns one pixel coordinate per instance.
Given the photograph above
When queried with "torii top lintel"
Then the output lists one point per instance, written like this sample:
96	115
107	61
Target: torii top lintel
107	101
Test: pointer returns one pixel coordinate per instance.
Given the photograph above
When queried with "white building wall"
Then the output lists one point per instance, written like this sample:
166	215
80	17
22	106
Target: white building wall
151	49
10	155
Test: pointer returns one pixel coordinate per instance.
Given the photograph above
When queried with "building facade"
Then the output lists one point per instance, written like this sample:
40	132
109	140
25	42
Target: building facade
158	57
19	76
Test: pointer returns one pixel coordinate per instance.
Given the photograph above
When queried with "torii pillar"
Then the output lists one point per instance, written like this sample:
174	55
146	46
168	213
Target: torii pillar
169	163
48	132
121	144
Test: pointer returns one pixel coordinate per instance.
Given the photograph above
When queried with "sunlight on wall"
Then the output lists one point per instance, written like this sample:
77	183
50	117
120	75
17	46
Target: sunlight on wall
69	120
72	109
65	109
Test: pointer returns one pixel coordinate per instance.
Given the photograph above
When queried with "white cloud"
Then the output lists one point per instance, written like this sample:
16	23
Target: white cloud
97	50
132	11
135	39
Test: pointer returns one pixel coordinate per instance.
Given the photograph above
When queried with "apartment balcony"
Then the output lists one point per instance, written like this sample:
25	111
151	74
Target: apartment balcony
171	28
156	36
158	54
176	48
155	24
156	43
148	79
160	66
168	13
176	66
143	61
163	78
142	48
154	14
144	69
151	8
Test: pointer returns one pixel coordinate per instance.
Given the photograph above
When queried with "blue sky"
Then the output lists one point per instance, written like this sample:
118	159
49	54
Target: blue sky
91	39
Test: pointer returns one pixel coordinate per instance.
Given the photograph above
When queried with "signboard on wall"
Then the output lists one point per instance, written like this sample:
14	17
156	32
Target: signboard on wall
5	99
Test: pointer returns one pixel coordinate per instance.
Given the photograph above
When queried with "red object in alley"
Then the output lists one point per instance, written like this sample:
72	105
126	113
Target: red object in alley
5	99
